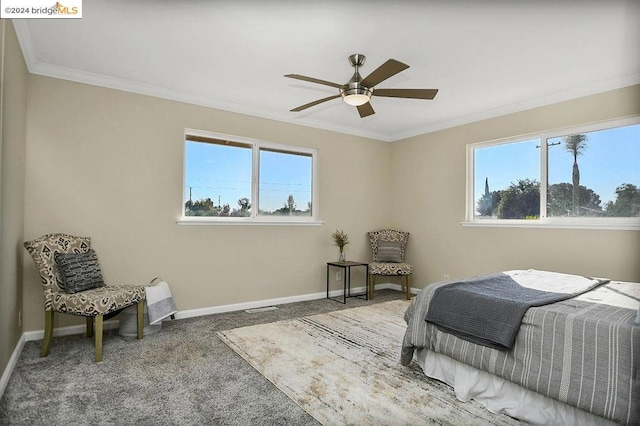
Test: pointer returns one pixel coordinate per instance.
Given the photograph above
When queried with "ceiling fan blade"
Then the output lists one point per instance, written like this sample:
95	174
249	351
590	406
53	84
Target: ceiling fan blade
313	80
406	93
383	72
366	110
314	103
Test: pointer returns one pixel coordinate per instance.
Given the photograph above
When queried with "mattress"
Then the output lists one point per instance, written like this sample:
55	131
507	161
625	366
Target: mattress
501	396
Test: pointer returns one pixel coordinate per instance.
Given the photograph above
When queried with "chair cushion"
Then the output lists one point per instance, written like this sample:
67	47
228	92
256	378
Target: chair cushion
390	268
97	301
79	271
389	251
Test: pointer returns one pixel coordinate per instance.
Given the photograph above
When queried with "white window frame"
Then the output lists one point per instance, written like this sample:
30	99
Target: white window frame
544	221
254	218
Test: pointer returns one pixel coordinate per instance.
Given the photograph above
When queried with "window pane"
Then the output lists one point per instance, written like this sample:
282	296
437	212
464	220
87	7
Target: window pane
595	174
507	181
218	179
285	183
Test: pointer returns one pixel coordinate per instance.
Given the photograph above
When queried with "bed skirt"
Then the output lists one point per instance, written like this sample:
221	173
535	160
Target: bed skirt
500	395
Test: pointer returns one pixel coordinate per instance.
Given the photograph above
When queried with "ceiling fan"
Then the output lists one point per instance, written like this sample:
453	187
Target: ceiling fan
358	91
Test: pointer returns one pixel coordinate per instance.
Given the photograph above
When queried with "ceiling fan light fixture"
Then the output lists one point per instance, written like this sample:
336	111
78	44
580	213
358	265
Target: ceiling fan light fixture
356	100
356	96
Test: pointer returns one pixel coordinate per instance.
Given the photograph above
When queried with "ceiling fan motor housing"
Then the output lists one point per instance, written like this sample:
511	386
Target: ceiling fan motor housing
354	93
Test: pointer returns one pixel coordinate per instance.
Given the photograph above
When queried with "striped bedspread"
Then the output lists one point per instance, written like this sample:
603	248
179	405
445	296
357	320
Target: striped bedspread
583	351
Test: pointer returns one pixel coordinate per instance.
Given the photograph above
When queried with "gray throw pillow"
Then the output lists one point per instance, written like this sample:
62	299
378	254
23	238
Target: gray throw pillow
389	251
79	271
638	316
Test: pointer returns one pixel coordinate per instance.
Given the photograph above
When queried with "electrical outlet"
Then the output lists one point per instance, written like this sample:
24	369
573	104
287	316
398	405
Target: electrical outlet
338	275
19	318
446	277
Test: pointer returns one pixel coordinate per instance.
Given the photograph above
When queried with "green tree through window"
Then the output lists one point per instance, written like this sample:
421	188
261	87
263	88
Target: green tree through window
593	173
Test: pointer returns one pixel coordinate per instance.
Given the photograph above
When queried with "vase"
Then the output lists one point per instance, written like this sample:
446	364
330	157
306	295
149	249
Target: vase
342	256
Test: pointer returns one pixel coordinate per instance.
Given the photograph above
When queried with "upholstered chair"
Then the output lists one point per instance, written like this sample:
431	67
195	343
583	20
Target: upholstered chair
82	300
388	248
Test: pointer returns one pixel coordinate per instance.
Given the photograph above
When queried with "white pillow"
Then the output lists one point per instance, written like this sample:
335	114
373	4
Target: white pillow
638	316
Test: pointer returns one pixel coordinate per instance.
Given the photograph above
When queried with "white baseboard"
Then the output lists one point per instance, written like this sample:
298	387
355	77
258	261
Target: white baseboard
29	336
11	365
279	301
250	305
67	331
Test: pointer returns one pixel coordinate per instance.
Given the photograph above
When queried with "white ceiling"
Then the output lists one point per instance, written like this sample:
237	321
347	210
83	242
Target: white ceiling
488	58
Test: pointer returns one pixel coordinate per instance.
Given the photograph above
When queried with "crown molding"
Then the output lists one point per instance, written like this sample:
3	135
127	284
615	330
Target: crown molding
21	27
77	76
550	99
35	66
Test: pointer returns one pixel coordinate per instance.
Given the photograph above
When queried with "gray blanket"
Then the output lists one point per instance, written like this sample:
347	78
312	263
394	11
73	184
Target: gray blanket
488	310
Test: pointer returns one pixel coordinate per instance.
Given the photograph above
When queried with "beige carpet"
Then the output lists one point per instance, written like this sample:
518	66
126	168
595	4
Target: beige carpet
343	368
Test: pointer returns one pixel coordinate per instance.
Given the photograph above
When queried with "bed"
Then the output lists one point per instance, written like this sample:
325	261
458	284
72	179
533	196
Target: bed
573	361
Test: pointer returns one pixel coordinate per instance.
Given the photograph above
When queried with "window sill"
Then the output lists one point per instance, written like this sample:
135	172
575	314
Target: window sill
628	225
279	222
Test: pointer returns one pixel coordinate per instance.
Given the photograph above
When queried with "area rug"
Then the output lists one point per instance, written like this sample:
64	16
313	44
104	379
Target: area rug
343	368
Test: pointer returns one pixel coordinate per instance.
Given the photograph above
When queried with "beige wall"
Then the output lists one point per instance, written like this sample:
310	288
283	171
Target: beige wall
12	165
428	175
109	165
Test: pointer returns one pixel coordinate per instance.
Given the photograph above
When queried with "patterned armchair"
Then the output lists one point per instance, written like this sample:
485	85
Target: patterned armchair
388	258
94	303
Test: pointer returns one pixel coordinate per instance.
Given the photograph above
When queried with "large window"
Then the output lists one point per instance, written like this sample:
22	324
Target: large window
581	177
238	180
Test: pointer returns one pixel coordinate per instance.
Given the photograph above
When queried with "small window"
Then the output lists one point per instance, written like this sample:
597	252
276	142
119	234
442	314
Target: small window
497	174
583	177
218	178
231	179
285	183
595	174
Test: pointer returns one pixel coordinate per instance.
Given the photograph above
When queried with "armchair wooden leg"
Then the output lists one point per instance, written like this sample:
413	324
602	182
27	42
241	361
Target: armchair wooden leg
98	334
372	285
140	319
407	281
48	333
89	326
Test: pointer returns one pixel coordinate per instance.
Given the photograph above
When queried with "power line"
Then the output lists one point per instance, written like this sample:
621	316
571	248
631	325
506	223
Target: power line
550	144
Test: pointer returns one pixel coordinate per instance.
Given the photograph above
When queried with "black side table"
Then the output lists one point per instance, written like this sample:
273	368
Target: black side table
346	279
